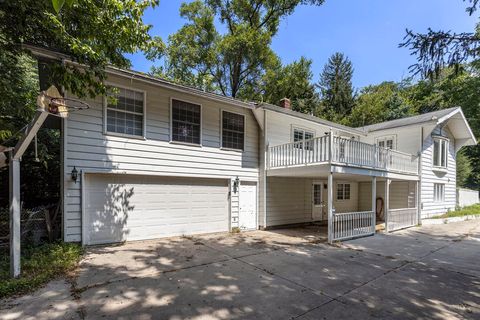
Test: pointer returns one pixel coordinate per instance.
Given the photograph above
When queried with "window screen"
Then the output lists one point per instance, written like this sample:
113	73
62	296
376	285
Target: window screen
125	112
440	152
186	122
233	130
438	192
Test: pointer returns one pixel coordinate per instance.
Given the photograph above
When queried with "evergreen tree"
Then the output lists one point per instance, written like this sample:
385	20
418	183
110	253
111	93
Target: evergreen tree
336	87
293	81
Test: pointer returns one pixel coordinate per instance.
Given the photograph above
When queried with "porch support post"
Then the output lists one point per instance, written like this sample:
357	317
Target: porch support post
330	206
386	203
14	184
417	202
374	202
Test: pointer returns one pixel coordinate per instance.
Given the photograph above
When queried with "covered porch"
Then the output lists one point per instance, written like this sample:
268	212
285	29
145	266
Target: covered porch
343	204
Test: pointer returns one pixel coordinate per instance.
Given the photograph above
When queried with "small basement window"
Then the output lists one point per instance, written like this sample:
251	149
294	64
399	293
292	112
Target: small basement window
233	130
440	152
186	122
125	112
343	191
439	192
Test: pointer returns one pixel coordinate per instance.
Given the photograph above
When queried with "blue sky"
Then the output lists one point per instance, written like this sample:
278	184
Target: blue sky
367	31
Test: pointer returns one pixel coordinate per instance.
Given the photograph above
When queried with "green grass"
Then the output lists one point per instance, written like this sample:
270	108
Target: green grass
39	265
467	211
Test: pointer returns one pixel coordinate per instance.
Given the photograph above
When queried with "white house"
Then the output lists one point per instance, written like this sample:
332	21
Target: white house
170	160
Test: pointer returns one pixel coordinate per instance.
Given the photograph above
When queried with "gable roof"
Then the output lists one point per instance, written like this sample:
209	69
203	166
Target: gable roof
454	117
309	117
422	118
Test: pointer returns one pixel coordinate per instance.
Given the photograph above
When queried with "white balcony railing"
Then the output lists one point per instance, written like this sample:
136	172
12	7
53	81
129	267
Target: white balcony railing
401	218
342	151
352	225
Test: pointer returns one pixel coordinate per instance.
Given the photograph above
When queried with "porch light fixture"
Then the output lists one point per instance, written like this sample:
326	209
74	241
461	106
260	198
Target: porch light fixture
236	182
74	174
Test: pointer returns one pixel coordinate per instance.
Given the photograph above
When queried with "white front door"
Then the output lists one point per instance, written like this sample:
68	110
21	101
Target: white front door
248	206
317	201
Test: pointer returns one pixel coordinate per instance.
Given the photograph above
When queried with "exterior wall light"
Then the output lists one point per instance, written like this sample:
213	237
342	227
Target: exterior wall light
74	174
236	183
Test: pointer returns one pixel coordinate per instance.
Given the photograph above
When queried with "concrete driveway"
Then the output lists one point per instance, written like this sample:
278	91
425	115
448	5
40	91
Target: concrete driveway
421	273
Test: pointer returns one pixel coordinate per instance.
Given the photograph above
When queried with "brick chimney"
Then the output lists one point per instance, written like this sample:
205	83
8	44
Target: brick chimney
285	103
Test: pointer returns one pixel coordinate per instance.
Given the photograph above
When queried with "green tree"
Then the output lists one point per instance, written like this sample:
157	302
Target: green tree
293	81
378	103
436	50
464	169
93	33
336	87
229	58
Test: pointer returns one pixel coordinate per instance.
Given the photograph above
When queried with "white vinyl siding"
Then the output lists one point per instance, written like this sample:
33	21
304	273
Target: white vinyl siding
430	176
90	150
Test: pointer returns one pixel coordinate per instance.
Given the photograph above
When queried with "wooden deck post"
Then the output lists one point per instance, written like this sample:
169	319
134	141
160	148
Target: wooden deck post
386	203
374	202
330	206
14	217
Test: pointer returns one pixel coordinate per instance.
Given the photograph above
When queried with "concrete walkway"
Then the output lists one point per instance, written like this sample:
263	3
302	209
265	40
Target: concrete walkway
431	272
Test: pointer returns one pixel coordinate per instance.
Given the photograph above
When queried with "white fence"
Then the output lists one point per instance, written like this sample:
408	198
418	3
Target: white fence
343	151
352	225
401	218
466	197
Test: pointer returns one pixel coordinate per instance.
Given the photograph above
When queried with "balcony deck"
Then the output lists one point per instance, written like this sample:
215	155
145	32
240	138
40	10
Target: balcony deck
331	149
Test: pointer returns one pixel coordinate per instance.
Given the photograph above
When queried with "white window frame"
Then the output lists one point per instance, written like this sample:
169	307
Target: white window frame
304	131
171	123
385	138
441	140
244	130
343	191
439	192
105	109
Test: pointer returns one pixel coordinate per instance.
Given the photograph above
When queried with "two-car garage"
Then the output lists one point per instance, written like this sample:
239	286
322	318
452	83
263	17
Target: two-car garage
133	207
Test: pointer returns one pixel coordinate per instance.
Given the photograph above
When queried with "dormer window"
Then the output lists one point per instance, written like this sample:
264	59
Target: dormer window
440	152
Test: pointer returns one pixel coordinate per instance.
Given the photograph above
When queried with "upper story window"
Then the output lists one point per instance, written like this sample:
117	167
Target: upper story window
386	142
233	130
440	152
125	110
186	122
439	192
300	135
343	191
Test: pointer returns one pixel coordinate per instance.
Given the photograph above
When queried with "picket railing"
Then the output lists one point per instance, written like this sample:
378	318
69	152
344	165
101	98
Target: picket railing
352	225
298	153
343	151
401	218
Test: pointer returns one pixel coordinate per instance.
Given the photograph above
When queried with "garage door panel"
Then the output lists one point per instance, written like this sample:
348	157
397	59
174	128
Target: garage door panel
121	207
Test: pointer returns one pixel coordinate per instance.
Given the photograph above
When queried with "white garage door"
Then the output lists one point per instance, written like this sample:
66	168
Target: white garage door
124	207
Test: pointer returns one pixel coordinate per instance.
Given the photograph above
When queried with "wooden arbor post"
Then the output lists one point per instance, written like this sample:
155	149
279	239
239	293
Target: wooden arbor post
14	183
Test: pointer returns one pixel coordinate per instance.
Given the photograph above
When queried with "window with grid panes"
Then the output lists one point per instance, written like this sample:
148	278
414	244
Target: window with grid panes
125	112
186	122
343	191
233	130
300	135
